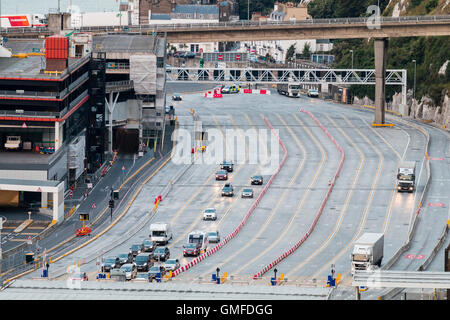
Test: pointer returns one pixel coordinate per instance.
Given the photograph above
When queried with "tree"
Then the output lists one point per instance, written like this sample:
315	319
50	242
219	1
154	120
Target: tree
290	52
306	53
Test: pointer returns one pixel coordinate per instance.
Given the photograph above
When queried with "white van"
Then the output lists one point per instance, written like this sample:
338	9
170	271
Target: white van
199	237
160	232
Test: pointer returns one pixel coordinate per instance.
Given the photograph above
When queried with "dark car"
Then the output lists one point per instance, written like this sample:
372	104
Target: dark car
149	245
227	165
190	55
135	249
177	97
143	261
154	271
191	249
161	254
110	263
221	175
179	54
125	258
257	180
227	190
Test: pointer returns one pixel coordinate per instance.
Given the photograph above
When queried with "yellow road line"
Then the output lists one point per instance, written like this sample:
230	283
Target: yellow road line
343	211
365	214
299	205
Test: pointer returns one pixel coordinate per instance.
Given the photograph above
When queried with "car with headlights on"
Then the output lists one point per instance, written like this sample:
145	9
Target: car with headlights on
171	264
227	190
247	193
209	214
257	180
135	249
313	93
161	254
221	175
191	249
177	97
143	261
149	245
110	263
130	270
125	258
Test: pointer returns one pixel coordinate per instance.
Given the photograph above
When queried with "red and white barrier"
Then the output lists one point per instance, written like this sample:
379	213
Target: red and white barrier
256	91
213	94
246	217
319	212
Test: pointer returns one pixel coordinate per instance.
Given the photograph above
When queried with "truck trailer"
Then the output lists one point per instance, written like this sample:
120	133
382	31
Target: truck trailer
289	90
367	252
23	20
406	176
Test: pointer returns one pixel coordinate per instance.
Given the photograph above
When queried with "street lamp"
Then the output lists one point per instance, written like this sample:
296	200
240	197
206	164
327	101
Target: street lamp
414	90
248	10
217	270
352	58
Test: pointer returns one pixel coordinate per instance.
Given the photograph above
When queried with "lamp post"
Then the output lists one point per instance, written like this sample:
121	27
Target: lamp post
352	58
248	10
217	272
414	90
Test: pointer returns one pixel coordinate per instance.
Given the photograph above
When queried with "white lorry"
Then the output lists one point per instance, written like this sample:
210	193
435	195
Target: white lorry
289	90
23	21
367	252
160	232
406	176
12	143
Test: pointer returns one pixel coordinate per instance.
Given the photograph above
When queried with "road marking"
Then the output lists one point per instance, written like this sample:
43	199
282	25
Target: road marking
299	205
344	208
368	205
213	199
280	201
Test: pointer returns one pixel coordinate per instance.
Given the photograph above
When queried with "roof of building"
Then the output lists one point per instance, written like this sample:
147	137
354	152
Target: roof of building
123	42
196	8
30	67
160	16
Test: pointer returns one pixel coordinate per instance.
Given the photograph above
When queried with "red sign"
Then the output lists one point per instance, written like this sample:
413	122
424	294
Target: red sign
19	21
71	194
24	125
93	205
436	204
437	159
420	257
220	57
238	57
410	256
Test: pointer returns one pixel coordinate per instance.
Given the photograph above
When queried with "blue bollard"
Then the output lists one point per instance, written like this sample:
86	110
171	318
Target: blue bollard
44	273
218	280
273	281
213	277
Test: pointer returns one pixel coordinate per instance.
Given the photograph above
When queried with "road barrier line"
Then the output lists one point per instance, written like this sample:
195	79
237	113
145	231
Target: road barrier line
319	212
249	213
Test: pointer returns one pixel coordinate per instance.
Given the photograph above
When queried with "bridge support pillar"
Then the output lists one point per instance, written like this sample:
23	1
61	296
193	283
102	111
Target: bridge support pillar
381	45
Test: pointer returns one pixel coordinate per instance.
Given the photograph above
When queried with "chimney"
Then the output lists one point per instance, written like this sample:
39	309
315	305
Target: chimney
56	53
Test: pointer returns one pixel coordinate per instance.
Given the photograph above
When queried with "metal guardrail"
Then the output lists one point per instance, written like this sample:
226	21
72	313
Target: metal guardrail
31	94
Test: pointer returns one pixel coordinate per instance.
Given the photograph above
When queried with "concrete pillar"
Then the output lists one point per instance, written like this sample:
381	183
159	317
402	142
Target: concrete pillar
381	45
58	135
44	200
357	294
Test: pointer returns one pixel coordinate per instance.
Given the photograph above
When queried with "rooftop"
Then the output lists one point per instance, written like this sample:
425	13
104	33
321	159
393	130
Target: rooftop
123	43
194	8
31	66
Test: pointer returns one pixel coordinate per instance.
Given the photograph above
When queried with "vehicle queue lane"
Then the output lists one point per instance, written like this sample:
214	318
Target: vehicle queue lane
276	194
360	209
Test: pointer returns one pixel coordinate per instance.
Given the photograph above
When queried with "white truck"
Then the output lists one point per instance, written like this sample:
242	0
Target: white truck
289	90
12	143
160	232
23	20
406	176
367	252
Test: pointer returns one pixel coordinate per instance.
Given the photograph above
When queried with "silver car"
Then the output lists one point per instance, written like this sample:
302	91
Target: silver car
247	193
172	264
209	214
130	270
213	236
